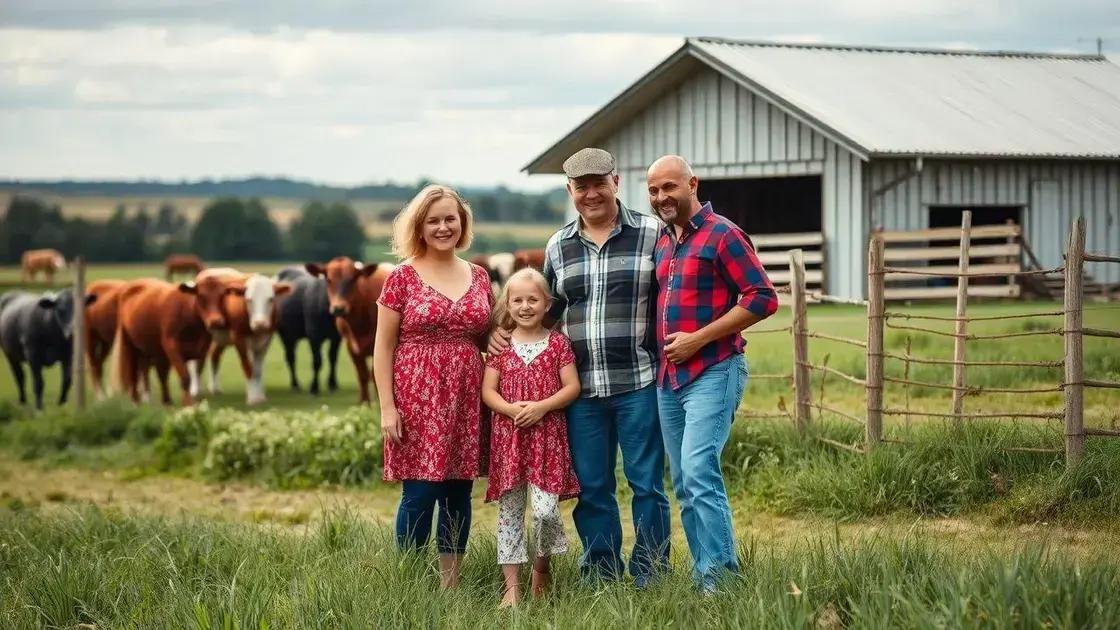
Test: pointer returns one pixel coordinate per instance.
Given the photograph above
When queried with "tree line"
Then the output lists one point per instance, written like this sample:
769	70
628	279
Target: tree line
228	228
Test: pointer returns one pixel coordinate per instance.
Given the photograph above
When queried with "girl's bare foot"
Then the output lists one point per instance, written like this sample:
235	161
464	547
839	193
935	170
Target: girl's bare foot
511	581
541	578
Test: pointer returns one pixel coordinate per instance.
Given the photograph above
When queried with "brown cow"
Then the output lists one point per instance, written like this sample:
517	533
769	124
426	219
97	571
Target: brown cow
353	289
101	327
47	261
523	258
250	309
165	326
182	263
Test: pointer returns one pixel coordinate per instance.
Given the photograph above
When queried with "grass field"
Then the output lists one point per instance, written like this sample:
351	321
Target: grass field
105	521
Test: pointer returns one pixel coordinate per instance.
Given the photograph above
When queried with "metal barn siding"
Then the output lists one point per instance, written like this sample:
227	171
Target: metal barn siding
727	131
1053	193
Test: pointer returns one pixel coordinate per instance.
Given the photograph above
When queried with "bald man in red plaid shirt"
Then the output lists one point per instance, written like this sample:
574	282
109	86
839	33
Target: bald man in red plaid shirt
711	287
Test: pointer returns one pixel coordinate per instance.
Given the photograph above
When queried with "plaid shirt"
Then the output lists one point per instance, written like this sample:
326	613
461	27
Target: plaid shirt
604	302
711	269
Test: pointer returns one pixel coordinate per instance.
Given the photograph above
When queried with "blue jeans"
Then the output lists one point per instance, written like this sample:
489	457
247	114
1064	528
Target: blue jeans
418	502
597	428
696	423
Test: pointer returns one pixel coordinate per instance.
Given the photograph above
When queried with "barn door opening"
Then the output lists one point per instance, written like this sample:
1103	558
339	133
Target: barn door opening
767	205
950	216
779	214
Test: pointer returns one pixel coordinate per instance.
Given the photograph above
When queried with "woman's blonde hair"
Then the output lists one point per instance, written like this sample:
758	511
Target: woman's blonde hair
502	317
407	241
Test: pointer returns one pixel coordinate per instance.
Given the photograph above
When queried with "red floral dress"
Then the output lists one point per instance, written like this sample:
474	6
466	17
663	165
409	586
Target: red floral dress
437	377
539	454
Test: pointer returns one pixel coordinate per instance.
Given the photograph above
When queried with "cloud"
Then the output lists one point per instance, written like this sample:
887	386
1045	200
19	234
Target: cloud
349	91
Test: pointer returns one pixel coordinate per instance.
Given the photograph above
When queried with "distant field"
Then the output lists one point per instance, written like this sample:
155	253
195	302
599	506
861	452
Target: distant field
282	210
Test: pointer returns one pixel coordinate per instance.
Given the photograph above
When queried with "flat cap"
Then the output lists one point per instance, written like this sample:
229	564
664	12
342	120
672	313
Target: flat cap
589	161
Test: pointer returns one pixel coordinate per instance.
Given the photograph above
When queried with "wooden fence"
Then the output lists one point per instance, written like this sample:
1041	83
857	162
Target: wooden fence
774	250
916	258
1075	333
879	319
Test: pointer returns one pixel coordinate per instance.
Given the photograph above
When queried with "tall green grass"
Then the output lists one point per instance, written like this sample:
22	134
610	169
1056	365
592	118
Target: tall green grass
941	470
115	571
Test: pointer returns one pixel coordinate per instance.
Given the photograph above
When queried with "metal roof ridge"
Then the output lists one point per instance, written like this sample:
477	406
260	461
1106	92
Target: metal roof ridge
759	43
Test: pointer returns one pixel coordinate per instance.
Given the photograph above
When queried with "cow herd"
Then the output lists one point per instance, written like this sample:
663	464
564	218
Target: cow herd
186	326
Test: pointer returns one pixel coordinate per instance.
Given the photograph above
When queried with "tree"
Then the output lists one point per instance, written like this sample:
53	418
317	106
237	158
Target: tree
236	229
325	231
30	224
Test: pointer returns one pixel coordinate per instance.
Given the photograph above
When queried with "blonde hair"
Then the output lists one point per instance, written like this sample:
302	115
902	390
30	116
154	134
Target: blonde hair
502	317
407	241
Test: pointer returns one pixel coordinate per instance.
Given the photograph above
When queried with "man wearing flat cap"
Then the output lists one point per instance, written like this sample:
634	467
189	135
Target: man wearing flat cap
601	271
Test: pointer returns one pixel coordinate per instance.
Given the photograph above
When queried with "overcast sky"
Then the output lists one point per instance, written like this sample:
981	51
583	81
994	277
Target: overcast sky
350	91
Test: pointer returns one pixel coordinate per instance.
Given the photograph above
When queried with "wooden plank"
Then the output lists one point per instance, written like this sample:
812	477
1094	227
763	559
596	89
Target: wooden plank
875	325
933	293
961	323
801	380
812	276
950	233
932	271
78	359
939	253
789	240
1074	390
777	258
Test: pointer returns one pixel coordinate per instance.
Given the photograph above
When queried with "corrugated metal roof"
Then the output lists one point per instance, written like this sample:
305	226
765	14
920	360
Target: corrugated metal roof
936	102
900	101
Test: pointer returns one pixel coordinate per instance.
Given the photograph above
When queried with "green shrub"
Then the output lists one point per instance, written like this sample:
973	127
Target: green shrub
11	410
102	423
296	448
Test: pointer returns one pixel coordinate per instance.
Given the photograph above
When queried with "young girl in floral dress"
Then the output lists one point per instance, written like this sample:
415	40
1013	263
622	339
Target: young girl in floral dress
527	386
433	311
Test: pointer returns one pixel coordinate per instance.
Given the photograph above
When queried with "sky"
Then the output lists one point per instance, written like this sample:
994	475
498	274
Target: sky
350	92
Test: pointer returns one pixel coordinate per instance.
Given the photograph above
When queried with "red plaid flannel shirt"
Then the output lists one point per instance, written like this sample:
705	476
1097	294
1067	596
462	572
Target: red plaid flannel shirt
701	277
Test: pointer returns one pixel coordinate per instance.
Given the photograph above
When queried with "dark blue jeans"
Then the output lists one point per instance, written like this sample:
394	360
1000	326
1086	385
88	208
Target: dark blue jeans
418	502
597	429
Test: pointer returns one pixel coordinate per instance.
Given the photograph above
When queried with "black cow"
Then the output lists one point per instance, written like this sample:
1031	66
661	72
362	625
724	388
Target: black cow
305	314
38	330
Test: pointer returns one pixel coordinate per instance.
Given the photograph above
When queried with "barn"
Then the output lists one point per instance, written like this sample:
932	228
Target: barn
815	146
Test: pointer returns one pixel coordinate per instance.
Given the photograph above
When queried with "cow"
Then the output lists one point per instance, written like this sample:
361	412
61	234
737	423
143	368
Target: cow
353	289
498	266
182	263
166	326
47	261
250	307
523	258
38	330
101	328
305	313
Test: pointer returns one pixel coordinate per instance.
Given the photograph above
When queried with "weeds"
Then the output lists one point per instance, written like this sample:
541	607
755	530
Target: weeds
96	568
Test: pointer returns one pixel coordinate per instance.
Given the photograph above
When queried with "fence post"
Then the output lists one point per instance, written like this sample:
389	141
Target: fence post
1075	427
961	325
78	359
801	381
875	310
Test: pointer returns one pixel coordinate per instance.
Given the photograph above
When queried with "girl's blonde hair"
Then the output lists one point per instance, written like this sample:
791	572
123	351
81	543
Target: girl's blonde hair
407	241
502	317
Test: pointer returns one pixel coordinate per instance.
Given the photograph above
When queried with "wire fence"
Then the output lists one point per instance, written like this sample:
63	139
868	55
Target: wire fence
1071	383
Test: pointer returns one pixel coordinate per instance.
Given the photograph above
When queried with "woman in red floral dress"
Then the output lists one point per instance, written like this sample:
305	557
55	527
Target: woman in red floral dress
528	385
433	312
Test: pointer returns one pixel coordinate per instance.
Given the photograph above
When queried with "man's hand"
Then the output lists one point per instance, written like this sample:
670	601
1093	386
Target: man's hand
530	414
499	340
680	346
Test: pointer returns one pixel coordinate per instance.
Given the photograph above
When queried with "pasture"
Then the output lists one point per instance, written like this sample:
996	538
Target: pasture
222	517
